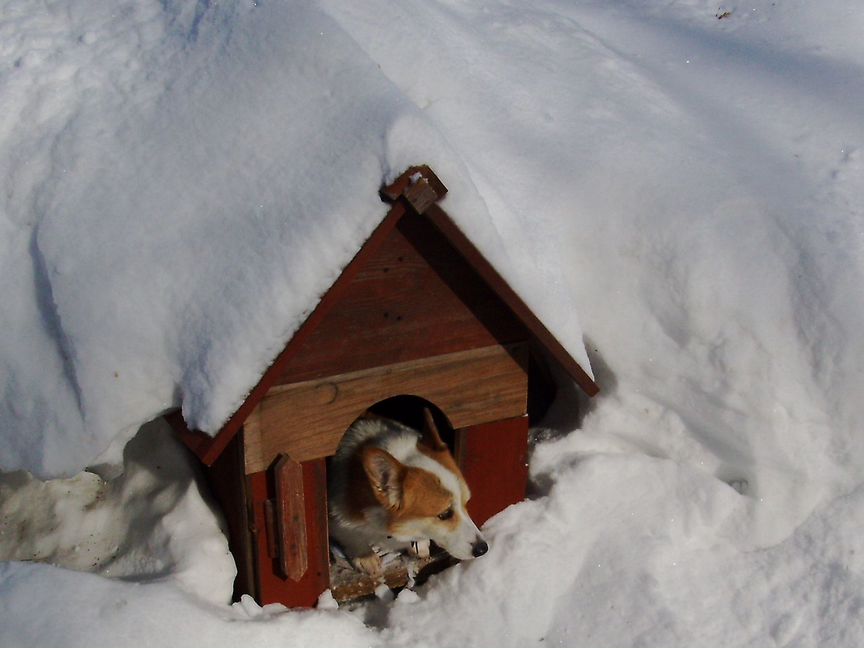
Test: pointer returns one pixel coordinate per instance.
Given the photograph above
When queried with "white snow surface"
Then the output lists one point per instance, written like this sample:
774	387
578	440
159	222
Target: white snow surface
181	181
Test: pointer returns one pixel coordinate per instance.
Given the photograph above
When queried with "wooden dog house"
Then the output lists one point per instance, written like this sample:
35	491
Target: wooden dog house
418	312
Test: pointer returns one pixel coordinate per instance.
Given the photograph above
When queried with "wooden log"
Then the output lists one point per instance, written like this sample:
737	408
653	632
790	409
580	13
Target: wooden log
348	584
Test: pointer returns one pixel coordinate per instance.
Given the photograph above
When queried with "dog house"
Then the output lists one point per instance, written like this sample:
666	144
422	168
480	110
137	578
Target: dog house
418	316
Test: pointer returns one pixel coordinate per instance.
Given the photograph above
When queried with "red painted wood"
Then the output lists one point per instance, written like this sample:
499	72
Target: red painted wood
493	458
414	298
227	482
271	586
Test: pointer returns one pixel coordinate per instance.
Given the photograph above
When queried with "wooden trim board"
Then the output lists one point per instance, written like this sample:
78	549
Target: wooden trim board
307	420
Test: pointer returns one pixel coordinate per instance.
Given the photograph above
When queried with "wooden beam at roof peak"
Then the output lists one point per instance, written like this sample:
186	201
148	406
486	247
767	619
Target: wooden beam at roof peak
419	186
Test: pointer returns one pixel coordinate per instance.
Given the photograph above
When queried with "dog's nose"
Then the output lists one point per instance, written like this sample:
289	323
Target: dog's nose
479	548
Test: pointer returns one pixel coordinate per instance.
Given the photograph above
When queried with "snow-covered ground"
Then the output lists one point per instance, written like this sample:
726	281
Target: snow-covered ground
176	181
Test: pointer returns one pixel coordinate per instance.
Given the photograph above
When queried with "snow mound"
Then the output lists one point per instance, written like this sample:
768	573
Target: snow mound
624	550
149	522
184	184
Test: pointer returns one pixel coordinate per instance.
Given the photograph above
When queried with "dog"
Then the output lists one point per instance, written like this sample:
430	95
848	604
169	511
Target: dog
391	486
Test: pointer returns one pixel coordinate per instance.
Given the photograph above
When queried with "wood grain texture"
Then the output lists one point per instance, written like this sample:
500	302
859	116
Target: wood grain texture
349	585
290	517
416	297
307	419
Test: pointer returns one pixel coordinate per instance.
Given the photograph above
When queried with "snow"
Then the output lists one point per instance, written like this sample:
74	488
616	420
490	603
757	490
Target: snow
181	181
147	522
202	179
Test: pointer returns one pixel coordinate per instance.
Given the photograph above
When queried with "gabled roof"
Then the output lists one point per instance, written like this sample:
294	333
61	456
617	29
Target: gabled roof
415	191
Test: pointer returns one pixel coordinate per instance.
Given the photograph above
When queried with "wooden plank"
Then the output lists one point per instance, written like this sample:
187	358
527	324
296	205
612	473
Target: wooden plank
415	297
307	419
493	459
257	486
271	586
227	482
290	518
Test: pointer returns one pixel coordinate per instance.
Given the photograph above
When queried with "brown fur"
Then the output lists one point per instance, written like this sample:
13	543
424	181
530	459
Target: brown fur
446	459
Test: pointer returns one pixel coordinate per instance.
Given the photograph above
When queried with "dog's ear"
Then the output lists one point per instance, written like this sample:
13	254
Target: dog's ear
385	474
430	432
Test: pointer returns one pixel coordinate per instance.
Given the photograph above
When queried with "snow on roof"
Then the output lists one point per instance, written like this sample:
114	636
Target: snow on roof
186	188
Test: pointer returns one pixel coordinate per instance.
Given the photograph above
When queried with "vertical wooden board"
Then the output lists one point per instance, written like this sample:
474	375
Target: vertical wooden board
493	458
271	586
227	482
256	485
290	520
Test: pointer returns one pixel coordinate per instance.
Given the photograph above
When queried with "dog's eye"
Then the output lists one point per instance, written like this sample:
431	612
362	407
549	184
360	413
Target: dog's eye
446	515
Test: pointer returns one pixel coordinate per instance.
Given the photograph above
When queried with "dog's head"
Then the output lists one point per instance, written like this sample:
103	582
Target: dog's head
426	497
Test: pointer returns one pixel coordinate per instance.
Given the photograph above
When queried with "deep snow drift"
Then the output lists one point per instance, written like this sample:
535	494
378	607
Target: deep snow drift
693	184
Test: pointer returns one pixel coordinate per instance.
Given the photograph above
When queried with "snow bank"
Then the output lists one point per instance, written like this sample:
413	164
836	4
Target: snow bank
625	550
635	551
149	522
86	610
692	181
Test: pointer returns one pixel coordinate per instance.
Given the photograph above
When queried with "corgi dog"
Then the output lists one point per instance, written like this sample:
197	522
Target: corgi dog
391	486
